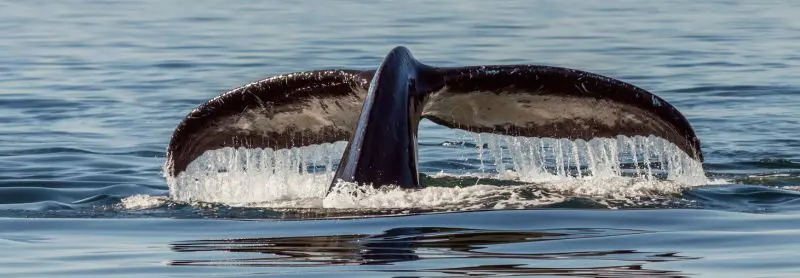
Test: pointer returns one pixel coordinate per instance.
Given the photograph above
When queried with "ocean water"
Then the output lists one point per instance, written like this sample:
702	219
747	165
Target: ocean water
90	92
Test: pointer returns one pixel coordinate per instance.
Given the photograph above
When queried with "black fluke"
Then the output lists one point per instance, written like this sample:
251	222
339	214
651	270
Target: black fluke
378	112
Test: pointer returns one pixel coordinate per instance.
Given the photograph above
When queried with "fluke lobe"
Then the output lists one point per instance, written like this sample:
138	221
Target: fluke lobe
378	112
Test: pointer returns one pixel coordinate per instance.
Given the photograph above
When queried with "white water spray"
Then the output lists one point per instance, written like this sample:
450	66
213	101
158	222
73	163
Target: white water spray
546	159
621	169
244	176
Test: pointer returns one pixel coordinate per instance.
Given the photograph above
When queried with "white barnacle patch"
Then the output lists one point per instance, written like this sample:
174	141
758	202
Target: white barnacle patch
490	71
655	100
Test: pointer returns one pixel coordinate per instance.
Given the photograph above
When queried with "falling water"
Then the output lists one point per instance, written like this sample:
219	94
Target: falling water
299	177
256	175
543	159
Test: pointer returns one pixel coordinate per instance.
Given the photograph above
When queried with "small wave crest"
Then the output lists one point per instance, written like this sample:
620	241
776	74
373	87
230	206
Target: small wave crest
612	172
143	202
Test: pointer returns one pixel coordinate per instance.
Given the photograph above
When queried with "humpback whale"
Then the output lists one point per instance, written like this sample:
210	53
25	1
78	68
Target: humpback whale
378	112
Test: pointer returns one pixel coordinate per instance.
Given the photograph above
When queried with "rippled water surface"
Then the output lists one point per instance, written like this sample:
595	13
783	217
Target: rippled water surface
90	92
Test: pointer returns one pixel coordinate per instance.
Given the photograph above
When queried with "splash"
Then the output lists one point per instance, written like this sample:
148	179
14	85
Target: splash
143	202
245	176
547	171
546	159
481	196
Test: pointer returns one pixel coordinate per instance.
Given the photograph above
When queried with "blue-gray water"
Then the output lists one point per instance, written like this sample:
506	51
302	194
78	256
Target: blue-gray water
90	92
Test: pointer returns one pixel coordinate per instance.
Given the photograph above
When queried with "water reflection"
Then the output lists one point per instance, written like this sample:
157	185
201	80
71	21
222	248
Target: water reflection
456	251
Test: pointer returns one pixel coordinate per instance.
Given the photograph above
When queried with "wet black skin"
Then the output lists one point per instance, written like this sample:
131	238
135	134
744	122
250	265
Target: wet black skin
383	149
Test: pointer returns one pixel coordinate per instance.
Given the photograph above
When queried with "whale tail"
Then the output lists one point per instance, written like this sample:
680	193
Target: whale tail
280	112
378	112
554	102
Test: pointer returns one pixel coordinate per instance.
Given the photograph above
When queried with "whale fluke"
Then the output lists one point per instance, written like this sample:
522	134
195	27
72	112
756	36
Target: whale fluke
289	110
553	102
378	112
